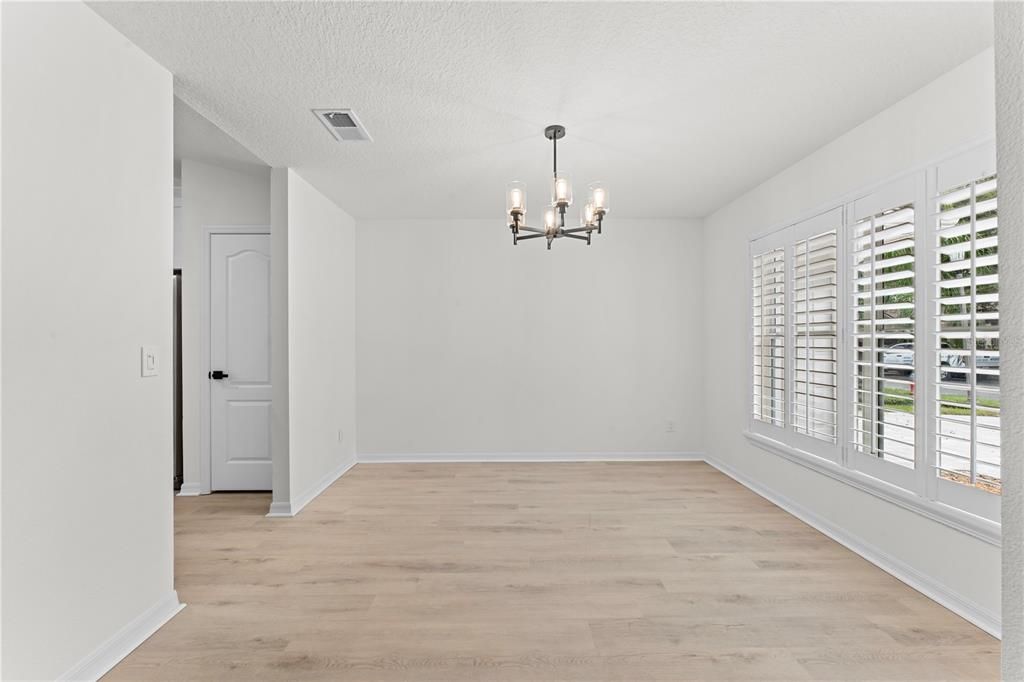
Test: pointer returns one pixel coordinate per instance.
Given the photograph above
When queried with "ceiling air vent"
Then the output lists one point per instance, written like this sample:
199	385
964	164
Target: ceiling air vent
343	125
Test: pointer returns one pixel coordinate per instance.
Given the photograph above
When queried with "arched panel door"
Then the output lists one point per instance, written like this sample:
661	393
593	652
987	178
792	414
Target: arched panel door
240	388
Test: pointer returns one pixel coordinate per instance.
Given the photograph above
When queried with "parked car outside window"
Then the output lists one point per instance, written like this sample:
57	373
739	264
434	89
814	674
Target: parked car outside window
902	355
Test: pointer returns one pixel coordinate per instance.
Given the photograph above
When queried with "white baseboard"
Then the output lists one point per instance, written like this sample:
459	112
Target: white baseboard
190	490
280	510
450	457
952	600
110	653
289	509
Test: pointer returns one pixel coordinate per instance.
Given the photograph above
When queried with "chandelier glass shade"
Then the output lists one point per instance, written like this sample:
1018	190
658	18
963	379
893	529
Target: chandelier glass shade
592	212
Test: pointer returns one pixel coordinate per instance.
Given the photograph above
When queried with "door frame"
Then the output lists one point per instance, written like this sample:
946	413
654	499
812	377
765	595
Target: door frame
205	428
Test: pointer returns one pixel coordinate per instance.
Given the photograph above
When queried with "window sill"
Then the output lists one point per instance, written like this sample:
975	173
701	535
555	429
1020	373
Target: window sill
978	527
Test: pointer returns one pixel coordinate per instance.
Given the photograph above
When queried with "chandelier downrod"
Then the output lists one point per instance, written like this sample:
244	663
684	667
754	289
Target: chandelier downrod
554	157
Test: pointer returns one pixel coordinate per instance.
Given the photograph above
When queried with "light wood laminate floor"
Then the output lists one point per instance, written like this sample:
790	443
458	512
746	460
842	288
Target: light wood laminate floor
589	571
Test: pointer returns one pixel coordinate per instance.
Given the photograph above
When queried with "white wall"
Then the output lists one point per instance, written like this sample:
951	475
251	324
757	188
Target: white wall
1009	25
179	237
953	111
468	344
87	501
279	439
321	340
313	341
210	195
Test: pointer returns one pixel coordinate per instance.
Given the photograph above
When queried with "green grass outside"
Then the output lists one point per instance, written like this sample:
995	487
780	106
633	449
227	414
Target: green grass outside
899	399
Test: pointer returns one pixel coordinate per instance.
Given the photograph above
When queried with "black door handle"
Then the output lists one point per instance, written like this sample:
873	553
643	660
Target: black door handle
217	374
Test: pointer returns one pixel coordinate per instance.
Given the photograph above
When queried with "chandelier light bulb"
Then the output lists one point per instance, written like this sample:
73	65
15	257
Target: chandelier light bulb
550	221
587	216
561	193
515	199
599	197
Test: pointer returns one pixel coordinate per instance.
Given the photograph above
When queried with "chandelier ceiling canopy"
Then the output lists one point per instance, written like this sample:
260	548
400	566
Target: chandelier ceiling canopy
591	214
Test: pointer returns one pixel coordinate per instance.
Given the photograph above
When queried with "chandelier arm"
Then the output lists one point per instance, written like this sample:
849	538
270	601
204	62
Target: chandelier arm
578	229
529	236
524	228
571	236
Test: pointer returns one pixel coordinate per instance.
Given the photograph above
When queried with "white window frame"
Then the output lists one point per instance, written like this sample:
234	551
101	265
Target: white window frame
958	170
921	490
786	239
907	190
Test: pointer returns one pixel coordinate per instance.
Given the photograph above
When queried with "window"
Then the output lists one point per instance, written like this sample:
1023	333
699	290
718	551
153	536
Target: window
899	386
795	333
769	337
965	370
815	336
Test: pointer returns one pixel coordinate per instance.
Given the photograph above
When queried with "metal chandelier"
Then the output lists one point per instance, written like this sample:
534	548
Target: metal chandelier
591	216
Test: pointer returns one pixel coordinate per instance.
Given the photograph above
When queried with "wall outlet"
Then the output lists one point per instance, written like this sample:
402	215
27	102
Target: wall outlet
341	436
670	426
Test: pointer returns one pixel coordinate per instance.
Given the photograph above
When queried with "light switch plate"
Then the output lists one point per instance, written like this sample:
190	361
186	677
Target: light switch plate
150	361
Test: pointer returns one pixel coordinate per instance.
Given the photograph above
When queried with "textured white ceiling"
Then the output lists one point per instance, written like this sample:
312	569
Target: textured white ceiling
679	107
197	138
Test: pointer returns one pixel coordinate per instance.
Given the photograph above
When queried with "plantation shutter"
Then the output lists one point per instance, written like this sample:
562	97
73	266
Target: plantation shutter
815	335
967	393
883	323
769	336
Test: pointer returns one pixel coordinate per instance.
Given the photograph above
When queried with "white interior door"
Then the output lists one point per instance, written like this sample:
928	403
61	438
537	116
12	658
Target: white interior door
240	350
